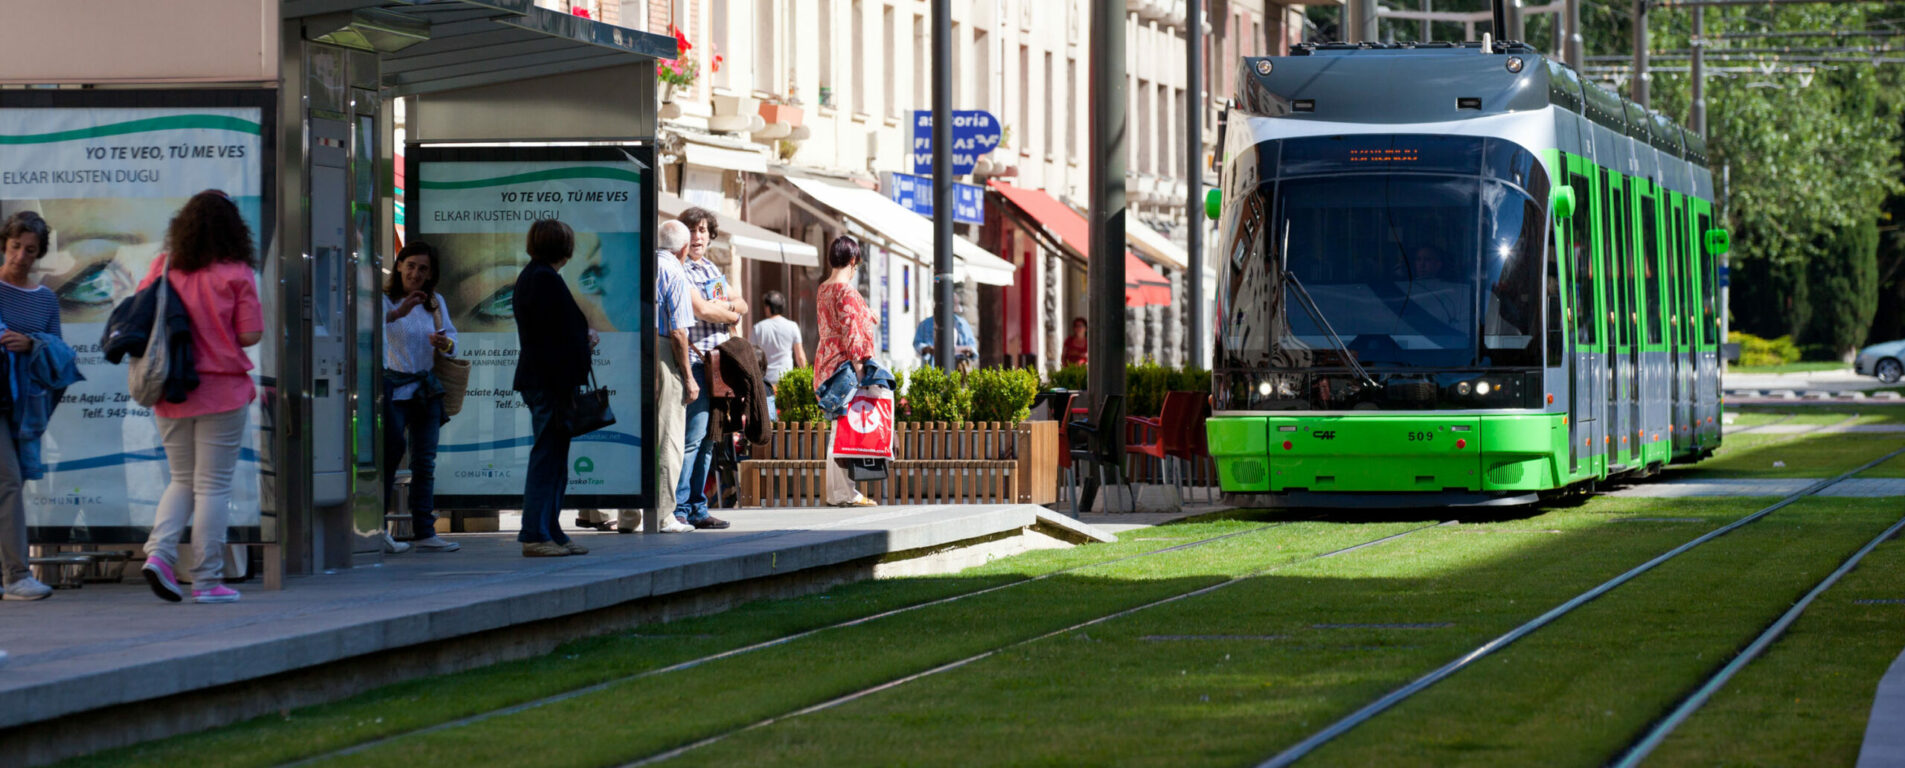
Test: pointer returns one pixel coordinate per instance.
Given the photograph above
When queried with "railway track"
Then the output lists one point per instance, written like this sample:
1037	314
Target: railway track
1375	708
897	682
755	647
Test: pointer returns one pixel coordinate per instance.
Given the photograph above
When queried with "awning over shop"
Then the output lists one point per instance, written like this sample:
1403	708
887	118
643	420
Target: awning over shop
723	158
748	241
904	229
1154	245
437	45
1143	285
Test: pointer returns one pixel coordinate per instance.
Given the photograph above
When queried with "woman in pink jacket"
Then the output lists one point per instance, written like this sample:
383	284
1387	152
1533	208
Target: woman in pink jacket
212	271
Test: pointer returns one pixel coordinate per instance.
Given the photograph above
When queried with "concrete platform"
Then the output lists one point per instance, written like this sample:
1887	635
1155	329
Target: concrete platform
109	646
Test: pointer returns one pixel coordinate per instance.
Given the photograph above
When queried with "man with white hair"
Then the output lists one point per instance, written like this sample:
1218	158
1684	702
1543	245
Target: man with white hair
674	313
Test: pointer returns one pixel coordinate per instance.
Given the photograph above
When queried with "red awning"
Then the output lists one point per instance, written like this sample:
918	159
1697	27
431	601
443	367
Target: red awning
1143	285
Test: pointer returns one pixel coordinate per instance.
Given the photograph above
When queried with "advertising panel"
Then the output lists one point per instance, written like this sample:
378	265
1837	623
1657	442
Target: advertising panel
108	179
476	206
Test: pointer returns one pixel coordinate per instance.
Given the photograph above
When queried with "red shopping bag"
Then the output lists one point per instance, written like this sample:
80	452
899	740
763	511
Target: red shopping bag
866	432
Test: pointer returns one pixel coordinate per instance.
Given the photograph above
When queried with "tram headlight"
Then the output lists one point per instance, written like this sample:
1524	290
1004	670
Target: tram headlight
1482	388
1514	64
1263	388
1462	389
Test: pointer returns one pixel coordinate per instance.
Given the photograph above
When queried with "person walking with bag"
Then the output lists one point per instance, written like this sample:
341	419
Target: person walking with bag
846	338
210	267
24	309
416	330
555	340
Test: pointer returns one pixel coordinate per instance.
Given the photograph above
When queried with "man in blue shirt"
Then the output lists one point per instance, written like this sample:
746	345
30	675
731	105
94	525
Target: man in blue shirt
966	345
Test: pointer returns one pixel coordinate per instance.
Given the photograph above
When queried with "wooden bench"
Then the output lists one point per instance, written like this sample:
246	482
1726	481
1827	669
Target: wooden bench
800	482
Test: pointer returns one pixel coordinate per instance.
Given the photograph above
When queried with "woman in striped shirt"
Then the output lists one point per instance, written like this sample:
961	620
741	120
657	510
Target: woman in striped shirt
416	327
26	307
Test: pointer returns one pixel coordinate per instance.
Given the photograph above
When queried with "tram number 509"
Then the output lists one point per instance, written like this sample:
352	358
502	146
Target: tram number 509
1419	437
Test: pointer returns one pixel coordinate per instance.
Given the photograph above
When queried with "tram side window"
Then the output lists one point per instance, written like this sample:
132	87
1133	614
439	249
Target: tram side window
1707	277
1623	288
1650	261
1579	242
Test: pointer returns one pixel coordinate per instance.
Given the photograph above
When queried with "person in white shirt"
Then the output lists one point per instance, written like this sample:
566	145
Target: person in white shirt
779	338
416	329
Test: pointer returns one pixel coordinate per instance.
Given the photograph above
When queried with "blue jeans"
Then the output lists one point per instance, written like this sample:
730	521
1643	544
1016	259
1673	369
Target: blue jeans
691	492
548	473
773	410
420	420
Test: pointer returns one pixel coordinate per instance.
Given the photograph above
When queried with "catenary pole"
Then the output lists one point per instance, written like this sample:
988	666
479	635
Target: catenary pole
1194	178
1640	53
943	323
1105	376
1575	46
1697	117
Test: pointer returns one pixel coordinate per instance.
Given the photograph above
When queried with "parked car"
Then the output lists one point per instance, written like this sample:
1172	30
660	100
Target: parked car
1886	361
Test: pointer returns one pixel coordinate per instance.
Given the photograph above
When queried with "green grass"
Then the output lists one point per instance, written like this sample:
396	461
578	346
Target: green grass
1807	699
405	706
1800	367
1756	455
1873	412
1230	677
1580	690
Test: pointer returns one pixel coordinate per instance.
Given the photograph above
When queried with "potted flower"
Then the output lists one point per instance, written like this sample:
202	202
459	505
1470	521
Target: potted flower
678	72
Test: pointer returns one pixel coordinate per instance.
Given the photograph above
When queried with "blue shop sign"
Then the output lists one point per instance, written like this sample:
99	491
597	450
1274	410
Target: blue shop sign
974	133
915	193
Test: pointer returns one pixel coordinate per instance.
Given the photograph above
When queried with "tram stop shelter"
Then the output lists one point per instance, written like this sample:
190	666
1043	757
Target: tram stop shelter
111	116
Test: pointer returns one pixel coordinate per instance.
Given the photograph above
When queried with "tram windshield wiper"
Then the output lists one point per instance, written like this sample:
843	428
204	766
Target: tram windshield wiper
1309	305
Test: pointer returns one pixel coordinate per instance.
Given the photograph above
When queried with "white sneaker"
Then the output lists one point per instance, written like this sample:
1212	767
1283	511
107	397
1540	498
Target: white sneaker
436	544
393	546
28	588
672	524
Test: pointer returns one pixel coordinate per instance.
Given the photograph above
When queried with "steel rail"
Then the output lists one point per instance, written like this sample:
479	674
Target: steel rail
864	692
1306	746
1660	731
763	645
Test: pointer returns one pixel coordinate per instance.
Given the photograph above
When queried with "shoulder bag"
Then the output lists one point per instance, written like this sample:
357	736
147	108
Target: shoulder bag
591	410
145	377
452	372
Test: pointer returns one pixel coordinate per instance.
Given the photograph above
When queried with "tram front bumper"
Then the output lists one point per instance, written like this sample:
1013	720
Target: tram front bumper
1388	453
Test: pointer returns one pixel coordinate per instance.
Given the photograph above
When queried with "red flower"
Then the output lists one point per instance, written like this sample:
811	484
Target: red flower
681	41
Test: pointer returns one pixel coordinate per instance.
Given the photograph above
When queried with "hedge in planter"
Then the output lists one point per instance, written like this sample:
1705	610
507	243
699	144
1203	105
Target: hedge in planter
1002	394
794	396
935	395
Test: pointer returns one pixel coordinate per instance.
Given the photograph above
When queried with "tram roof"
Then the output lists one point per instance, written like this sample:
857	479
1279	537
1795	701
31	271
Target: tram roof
1425	82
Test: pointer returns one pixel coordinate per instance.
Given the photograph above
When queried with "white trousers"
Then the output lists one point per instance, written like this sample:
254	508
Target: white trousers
202	451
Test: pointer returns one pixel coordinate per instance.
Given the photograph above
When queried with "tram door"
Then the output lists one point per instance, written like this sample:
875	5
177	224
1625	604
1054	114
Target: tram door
1584	361
1613	281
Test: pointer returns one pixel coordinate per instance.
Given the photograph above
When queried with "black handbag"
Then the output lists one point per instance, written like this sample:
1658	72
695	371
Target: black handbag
866	470
591	410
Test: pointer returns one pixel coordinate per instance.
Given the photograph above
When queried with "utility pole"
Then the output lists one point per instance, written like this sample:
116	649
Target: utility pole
1640	53
1426	31
1697	114
1194	176
1517	28
1106	276
943	322
1576	53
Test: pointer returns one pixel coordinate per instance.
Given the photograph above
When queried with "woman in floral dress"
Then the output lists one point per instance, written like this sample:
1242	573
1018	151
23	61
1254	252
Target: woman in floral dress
846	337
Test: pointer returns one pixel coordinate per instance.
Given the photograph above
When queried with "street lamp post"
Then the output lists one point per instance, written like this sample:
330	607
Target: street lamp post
943	323
1194	176
1105	376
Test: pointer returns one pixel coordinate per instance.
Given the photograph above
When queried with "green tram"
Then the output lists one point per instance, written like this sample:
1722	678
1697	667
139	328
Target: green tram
1456	276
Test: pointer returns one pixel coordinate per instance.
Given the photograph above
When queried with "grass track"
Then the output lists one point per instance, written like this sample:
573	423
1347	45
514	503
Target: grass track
1579	691
1807	699
648	716
1791	456
402	707
1228	678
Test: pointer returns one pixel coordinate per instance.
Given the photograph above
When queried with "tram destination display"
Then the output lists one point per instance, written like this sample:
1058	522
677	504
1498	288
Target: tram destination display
108	181
476	207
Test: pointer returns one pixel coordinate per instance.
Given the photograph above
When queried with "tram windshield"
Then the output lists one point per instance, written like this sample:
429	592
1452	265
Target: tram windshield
1425	275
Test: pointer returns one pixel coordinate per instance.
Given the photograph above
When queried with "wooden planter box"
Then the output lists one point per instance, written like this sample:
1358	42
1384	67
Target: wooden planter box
925	449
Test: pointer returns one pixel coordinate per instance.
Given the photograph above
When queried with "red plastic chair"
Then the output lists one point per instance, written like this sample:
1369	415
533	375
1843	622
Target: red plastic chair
1196	443
1164	437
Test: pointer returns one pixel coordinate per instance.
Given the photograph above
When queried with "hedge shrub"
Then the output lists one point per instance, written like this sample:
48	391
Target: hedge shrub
794	396
1002	394
1755	351
935	395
